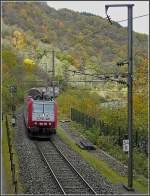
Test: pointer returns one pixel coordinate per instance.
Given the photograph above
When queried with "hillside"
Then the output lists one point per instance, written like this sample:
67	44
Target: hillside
82	42
74	33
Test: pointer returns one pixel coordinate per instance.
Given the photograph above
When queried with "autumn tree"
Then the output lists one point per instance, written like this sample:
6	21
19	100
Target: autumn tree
18	39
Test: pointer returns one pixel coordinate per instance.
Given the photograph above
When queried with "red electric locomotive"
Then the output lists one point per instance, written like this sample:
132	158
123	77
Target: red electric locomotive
40	114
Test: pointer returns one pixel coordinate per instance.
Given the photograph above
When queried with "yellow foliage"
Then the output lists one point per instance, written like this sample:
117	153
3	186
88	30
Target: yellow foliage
140	92
29	64
34	44
60	24
18	39
24	13
76	64
85	104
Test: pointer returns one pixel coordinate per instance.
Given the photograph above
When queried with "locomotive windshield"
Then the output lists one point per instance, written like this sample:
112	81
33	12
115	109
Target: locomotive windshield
43	111
48	108
44	108
37	108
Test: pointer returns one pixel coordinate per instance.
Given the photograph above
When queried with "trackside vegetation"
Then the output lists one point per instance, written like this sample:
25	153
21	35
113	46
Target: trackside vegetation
90	104
6	160
101	166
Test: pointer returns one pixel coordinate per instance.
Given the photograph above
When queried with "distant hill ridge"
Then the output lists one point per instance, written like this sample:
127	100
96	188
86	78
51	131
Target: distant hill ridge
89	39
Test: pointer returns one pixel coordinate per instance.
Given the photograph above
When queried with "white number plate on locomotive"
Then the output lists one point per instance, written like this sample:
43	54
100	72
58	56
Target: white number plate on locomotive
42	117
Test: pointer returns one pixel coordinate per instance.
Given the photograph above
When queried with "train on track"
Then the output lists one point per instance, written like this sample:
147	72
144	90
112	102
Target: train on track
40	113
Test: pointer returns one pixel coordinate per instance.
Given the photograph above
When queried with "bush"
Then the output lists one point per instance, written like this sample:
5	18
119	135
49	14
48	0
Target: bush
105	142
140	162
92	135
9	58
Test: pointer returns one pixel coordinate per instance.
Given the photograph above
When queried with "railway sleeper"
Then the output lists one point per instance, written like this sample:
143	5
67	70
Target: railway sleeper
63	171
76	191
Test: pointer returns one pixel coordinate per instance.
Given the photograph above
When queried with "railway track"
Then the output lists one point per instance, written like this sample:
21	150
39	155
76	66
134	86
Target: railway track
67	178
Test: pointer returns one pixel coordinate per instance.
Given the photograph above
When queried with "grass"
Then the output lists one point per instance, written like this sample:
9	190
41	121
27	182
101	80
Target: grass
101	166
6	160
107	144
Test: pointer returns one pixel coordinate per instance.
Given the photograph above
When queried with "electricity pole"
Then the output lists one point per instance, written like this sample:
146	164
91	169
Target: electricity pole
130	68
53	72
13	90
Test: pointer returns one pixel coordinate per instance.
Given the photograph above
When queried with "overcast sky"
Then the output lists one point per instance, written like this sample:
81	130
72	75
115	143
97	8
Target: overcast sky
98	8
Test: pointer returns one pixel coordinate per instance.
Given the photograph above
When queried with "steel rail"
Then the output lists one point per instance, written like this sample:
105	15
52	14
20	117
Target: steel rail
73	168
51	170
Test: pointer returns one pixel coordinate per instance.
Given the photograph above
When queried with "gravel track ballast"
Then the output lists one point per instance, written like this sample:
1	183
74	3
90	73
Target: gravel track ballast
34	172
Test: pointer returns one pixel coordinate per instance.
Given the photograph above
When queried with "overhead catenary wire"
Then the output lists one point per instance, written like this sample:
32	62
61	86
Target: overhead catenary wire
106	74
113	72
133	18
96	32
96	75
101	78
114	91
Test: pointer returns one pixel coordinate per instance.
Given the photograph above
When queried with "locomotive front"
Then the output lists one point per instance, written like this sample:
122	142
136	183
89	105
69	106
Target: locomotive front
41	117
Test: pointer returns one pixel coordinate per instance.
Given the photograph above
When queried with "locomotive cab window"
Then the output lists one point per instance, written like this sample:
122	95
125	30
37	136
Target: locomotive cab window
37	107
48	108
